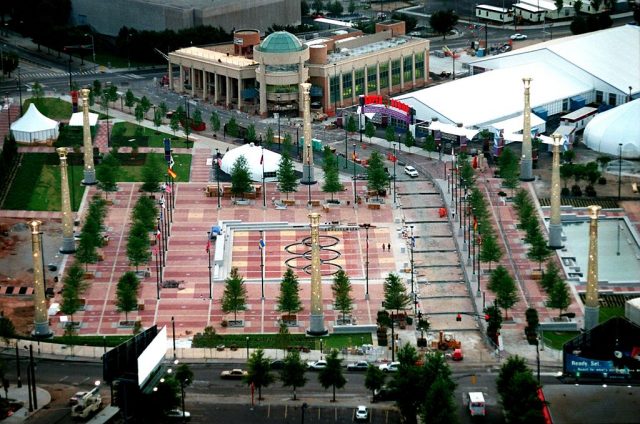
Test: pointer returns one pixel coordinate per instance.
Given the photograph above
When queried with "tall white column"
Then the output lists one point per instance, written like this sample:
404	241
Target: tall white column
307	154
555	220
68	242
41	318
89	168
526	163
316	325
591	304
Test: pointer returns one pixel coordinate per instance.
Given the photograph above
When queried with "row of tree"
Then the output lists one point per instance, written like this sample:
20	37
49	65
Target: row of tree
518	391
8	160
91	237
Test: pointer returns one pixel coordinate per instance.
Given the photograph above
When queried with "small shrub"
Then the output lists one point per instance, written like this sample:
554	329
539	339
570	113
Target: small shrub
602	181
224	323
576	191
565	192
590	191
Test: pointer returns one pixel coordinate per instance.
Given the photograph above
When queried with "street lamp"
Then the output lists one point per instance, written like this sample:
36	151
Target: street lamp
93	46
366	260
247	348
321	346
173	328
412	245
209	262
217	161
182	384
355	183
346	136
619	169
335	89
278	115
395	160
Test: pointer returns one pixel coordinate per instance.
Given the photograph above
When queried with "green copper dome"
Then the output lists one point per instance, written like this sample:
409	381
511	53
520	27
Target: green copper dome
281	42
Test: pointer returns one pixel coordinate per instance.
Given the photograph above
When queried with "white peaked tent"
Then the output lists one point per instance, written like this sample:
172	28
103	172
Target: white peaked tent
77	119
34	127
620	125
252	154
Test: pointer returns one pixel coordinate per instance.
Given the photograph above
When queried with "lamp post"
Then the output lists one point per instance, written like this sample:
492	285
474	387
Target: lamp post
93	46
395	160
335	89
355	183
278	116
346	136
629	94
217	160
412	245
20	84
209	262
619	169
187	123
262	247
366	260
182	384
264	191
321	346
247	348
18	366
32	368
173	334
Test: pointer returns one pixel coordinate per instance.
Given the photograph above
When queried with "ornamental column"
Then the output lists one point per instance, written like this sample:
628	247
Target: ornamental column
555	221
526	163
316	325
307	153
68	243
89	168
591	305
41	320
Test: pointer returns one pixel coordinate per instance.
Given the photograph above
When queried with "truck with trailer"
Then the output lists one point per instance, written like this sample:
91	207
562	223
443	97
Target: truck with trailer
87	404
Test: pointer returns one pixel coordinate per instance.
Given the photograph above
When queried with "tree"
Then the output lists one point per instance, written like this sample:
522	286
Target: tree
184	375
443	21
292	373
289	298
409	140
304	8
374	378
268	139
489	249
429	144
157	119
151	174
232	127
138	245
332	182
439	406
538	251
331	375
550	276
494	324
521	402
410	382
196	117
214	120
240	177
129	99
145	211
531	330
139	113
351	125
390	134
317	6
37	91
174	123
258	371
395	293
145	104
107	172
287	178
341	288
369	130
283	336
514	364
86	252
352	7
127	293
377	177
7	329
558	297
335	8
504	287
162	107
234	298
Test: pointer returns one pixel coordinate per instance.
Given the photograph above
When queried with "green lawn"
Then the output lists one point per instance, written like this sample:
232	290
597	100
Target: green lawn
124	132
610	312
274	341
556	339
50	107
37	184
109	341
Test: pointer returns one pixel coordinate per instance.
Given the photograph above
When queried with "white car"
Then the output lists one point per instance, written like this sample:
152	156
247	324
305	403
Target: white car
410	171
518	36
178	415
317	365
362	413
390	367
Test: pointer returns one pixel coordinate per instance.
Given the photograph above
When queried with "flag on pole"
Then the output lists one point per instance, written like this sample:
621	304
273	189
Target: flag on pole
171	173
261	244
158	233
413	242
475	224
155	250
474	163
162	204
208	247
262	158
171	162
167	188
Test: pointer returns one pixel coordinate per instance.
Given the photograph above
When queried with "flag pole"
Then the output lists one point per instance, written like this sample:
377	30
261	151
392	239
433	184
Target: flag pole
264	193
262	247
209	258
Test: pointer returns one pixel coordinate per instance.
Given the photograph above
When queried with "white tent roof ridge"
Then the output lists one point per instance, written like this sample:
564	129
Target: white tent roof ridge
257	158
34	126
77	119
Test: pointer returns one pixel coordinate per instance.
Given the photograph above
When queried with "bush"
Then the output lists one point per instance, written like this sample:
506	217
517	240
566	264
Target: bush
409	321
590	191
576	191
602	181
565	192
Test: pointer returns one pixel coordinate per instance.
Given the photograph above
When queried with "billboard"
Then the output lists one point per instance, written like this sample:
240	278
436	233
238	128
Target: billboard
152	356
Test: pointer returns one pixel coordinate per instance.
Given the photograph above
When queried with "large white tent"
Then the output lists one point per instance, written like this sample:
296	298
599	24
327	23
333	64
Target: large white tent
620	125
77	119
258	159
33	126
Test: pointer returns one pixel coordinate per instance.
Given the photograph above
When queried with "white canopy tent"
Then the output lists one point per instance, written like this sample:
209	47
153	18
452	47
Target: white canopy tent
253	154
616	126
77	119
33	126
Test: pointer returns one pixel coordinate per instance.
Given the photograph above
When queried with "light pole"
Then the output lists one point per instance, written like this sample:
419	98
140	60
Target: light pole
93	46
247	348
346	136
217	160
18	366
321	346
412	245
278	114
264	192
395	160
355	183
262	247
335	90
173	334
366	260
619	169
209	262
182	384
187	123
20	84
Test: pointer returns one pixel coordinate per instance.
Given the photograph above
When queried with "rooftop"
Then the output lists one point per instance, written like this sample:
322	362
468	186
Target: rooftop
281	42
216	56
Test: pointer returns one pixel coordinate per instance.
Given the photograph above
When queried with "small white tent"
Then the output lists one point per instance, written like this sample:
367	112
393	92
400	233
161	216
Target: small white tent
253	154
618	126
34	126
77	119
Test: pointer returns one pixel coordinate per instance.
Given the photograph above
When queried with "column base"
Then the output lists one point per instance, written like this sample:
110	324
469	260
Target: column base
555	236
68	246
42	331
591	317
316	325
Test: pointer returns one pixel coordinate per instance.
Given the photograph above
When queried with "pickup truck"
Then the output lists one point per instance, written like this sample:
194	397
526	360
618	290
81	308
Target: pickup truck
358	366
234	374
390	367
317	365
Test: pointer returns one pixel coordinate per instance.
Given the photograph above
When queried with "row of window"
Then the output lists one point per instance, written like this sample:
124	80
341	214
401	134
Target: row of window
358	77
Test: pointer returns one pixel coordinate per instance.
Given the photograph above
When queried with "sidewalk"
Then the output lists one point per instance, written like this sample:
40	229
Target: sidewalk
21	395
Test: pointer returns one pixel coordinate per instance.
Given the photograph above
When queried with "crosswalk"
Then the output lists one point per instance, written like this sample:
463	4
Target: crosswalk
61	74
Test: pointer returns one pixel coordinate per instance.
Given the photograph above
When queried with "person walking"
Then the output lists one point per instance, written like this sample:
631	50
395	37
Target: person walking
389	247
383	247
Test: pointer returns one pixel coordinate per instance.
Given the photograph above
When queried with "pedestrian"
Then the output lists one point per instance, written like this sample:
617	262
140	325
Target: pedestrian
389	247
383	247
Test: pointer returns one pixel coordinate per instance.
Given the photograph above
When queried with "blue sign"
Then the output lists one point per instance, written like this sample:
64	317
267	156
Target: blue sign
574	363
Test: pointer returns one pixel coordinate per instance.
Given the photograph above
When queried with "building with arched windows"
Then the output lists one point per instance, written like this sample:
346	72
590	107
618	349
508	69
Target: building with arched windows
264	76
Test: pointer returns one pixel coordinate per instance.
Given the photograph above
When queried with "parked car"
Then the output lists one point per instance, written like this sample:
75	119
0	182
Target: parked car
410	171
384	393
358	366
390	367
176	415
278	364
317	365
362	413
518	36
234	374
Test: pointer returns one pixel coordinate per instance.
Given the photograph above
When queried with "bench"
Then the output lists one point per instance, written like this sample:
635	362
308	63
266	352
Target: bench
373	205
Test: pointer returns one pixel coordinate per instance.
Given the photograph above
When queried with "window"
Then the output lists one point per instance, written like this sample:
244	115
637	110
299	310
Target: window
419	65
612	99
565	104
384	75
359	81
599	96
333	90
395	72
347	89
407	69
371	79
